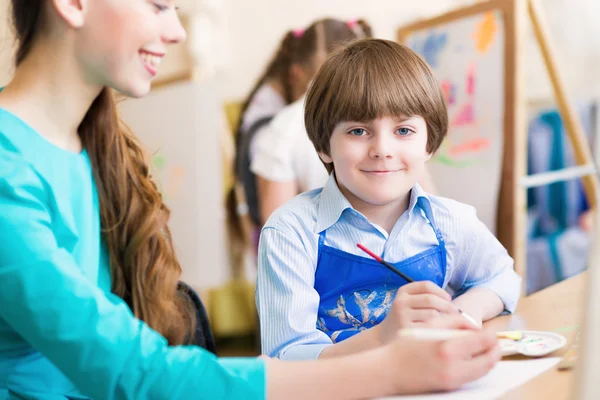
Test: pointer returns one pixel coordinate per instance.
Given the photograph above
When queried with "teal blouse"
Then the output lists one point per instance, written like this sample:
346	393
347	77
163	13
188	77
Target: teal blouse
63	334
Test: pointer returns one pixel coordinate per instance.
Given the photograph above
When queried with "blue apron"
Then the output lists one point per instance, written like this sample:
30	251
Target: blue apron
356	292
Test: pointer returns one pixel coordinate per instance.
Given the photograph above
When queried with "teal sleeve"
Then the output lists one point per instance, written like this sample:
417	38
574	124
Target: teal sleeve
92	337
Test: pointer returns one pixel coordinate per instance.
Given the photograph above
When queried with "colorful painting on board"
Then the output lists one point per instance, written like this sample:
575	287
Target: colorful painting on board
467	57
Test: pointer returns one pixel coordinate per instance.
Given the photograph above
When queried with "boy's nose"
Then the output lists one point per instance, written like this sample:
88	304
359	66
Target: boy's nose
380	148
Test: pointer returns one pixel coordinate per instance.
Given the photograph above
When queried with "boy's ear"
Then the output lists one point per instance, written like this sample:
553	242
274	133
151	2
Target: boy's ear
325	158
71	11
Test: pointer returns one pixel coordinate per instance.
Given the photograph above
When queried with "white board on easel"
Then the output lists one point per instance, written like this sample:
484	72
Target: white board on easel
467	57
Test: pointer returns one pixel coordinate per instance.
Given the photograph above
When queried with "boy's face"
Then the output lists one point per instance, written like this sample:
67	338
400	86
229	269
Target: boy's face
378	162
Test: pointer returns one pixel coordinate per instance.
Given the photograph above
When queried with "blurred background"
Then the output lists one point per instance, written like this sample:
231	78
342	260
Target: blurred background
190	122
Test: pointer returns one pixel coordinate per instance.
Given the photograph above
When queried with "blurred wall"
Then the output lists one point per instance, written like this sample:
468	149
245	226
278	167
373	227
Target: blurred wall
247	33
254	29
6	48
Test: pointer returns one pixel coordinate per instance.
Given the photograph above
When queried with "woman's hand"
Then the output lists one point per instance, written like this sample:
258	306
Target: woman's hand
418	366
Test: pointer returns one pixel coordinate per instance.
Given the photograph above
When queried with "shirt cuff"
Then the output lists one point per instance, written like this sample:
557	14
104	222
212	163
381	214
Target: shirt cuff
303	352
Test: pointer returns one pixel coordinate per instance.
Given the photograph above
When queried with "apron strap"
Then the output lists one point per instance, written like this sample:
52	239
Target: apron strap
423	204
322	236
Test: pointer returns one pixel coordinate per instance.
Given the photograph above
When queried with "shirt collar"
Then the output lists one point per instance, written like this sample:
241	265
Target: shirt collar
332	203
416	192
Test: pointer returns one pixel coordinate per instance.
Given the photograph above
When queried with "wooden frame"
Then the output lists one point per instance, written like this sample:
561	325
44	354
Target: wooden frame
512	207
572	124
515	139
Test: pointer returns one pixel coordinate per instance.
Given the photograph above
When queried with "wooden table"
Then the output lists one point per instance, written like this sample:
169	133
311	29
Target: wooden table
559	309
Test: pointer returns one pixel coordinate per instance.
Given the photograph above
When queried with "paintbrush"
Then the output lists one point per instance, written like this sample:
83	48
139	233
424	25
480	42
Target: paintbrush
407	278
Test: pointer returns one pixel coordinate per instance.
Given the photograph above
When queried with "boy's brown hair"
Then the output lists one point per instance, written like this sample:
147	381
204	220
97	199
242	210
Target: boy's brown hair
369	79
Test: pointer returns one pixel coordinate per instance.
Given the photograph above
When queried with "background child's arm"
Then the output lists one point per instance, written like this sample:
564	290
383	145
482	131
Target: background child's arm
273	194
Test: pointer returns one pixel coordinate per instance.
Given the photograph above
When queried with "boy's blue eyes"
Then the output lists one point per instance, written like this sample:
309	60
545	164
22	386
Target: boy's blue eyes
361	131
357	131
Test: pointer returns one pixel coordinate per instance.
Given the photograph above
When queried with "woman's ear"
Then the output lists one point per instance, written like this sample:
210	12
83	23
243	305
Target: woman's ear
71	11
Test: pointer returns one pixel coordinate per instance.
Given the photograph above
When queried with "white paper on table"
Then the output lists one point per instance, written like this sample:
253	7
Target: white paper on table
505	376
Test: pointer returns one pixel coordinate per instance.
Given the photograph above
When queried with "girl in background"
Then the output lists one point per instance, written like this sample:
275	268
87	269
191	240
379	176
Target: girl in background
284	81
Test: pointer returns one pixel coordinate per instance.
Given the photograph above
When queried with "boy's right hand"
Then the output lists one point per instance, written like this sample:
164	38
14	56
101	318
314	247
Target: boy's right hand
422	304
439	365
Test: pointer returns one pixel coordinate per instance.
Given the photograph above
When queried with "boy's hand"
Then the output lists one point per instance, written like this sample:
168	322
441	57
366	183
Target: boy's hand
419	304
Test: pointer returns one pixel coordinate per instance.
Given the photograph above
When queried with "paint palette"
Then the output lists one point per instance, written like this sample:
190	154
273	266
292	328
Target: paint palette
530	343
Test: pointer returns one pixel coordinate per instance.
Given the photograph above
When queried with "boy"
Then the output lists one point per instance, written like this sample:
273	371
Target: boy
375	114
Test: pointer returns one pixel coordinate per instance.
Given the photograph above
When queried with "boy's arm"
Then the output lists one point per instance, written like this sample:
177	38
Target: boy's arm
483	273
288	303
480	303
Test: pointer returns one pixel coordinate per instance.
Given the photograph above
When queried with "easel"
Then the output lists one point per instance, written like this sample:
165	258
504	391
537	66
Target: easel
512	207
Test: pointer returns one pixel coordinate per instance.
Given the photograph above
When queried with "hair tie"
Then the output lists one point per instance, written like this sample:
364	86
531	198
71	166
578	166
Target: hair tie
298	33
355	28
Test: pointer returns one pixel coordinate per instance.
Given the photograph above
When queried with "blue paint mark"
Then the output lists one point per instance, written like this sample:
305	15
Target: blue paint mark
431	47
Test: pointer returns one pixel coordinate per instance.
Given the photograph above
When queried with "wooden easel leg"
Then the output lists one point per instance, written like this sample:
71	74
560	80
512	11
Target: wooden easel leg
573	126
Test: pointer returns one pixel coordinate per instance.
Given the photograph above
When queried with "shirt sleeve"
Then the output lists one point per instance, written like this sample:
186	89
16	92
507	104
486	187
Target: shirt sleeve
286	299
481	261
273	149
91	336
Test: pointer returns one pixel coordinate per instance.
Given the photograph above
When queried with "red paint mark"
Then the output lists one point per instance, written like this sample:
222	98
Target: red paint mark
465	116
471	80
472	146
449	90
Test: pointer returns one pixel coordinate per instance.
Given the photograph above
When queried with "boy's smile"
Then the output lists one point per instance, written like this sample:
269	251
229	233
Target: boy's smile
382	172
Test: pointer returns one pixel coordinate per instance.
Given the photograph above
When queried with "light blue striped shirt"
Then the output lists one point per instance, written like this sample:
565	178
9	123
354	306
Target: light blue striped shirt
287	259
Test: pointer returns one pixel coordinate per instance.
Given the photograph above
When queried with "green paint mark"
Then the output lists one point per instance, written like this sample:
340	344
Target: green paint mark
566	328
443	159
159	161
